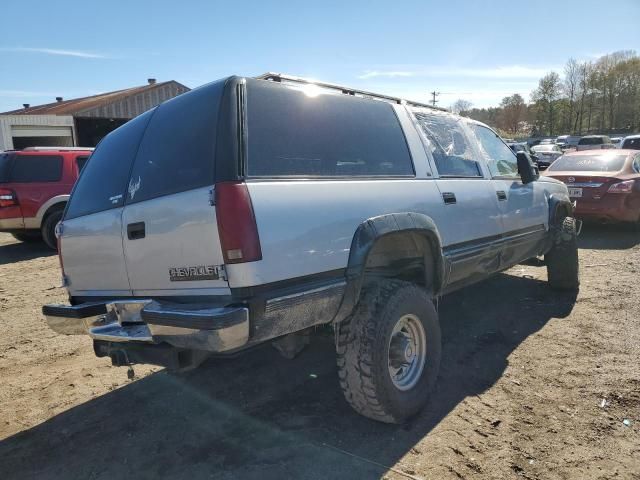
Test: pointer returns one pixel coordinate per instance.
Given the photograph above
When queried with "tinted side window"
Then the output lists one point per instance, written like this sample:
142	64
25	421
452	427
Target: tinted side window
501	160
5	166
80	162
36	168
450	148
632	143
104	180
177	151
294	134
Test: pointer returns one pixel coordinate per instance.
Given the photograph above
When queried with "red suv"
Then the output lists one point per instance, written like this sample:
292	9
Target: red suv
35	184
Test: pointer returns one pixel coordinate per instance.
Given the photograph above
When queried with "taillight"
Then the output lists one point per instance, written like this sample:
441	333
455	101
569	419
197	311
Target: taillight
622	187
236	223
8	198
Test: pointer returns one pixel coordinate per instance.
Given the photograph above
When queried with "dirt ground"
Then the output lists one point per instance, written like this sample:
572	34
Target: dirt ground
535	384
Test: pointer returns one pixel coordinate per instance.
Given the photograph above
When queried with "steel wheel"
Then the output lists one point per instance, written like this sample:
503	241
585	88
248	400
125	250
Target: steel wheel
407	352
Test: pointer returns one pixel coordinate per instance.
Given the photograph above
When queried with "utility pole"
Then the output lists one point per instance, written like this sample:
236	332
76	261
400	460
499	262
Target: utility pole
434	94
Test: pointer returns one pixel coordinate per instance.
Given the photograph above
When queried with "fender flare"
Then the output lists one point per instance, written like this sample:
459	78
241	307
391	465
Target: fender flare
52	202
558	202
366	236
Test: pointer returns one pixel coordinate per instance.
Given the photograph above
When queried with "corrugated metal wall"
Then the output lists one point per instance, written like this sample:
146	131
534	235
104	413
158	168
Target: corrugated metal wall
134	105
8	121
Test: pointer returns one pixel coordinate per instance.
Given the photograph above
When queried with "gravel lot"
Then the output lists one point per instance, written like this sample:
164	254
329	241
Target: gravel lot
534	384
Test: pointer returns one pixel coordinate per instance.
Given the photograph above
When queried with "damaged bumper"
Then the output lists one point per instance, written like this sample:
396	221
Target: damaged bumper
148	322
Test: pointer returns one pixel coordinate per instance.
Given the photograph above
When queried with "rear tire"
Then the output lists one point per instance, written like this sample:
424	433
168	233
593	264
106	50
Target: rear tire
562	259
48	229
27	237
368	351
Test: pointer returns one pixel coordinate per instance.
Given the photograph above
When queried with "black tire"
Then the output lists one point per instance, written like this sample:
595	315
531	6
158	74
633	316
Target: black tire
28	237
362	344
48	229
562	259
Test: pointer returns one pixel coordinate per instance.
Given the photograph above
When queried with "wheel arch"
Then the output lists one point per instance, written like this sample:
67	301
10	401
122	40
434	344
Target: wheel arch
53	204
560	206
373	240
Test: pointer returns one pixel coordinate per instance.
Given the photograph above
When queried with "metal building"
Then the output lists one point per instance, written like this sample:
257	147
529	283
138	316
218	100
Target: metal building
81	122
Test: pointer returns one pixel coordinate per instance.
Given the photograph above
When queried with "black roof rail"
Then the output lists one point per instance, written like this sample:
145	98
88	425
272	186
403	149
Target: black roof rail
281	77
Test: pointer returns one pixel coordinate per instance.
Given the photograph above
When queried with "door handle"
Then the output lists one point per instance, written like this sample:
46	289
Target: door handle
449	198
136	231
501	195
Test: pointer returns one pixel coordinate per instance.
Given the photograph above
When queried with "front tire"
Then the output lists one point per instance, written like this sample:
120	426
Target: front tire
389	351
562	259
48	229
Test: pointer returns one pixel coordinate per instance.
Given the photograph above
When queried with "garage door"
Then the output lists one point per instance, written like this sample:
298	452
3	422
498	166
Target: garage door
41	136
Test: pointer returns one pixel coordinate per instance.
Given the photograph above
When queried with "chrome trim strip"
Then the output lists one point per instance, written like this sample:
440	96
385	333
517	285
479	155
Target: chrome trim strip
585	184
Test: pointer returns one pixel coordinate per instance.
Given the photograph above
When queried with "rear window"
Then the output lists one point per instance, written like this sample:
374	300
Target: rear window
177	151
296	132
104	179
36	168
591	141
5	160
589	163
633	143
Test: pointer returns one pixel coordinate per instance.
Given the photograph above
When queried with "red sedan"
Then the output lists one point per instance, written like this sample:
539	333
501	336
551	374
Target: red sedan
604	184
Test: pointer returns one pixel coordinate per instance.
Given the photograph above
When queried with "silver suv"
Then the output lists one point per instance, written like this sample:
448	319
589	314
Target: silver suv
253	210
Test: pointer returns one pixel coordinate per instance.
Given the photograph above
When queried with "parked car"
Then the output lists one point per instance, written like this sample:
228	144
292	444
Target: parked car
524	147
631	142
616	141
220	228
35	184
567	141
594	142
605	185
547	154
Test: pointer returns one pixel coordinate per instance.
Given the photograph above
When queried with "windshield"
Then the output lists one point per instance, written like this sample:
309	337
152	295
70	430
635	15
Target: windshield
544	148
5	158
589	163
591	141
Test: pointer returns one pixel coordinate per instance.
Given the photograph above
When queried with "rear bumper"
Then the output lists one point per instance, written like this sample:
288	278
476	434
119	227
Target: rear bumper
147	322
610	208
11	224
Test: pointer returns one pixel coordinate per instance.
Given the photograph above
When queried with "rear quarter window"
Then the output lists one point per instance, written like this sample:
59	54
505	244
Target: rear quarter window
5	160
295	134
104	179
36	168
177	152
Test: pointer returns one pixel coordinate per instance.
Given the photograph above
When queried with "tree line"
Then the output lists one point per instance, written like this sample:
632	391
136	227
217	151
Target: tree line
601	96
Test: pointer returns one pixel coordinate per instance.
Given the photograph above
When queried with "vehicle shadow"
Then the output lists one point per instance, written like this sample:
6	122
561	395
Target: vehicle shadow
20	251
259	416
607	237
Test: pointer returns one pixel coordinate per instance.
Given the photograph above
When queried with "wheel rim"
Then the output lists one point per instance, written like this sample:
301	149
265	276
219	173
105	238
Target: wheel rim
407	352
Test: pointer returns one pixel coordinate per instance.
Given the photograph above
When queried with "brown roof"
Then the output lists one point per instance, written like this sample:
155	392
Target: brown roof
69	107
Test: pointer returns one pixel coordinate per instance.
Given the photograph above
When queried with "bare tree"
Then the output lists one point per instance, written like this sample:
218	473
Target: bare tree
571	86
460	106
548	91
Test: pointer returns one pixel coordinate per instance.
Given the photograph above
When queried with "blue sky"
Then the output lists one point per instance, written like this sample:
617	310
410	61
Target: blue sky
476	50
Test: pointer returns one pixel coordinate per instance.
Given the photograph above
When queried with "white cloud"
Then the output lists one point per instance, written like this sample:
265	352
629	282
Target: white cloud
389	74
55	51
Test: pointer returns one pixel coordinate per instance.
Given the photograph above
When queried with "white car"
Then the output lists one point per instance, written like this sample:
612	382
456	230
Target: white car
253	210
631	142
594	142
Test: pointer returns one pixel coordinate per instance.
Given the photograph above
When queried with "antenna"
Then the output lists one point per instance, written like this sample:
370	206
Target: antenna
434	94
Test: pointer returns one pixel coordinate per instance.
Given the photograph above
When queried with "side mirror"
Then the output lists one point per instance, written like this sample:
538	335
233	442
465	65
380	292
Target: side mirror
526	168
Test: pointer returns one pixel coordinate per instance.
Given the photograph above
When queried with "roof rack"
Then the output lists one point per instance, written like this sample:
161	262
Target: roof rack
280	77
58	149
